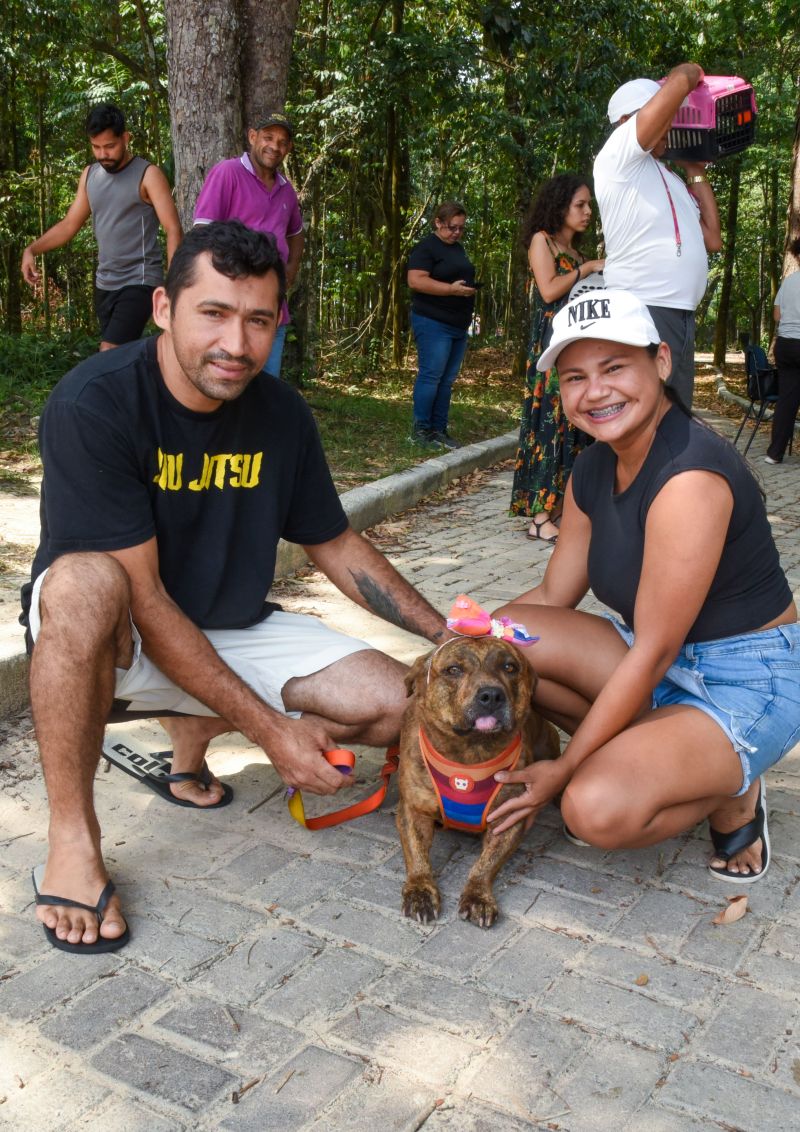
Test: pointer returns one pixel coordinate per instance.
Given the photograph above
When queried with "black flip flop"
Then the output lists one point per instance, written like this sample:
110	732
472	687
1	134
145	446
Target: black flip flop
154	770
727	845
98	948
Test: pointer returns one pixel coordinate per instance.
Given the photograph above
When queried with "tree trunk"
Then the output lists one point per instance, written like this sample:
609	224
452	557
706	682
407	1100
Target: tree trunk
205	98
226	59
723	311
793	211
266	53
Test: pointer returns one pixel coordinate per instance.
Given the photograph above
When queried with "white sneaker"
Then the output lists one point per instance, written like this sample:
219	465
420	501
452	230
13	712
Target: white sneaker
769	460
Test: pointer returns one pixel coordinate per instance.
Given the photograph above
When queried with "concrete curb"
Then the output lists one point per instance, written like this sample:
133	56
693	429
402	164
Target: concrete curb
365	506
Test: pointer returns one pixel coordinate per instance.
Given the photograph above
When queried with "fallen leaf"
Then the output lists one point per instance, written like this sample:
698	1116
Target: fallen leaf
737	906
642	980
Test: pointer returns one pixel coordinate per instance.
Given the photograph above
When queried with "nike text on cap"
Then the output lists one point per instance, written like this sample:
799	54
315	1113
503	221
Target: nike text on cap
611	316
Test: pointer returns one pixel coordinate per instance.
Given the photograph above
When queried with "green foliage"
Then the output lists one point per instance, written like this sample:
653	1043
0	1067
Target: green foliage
32	363
399	104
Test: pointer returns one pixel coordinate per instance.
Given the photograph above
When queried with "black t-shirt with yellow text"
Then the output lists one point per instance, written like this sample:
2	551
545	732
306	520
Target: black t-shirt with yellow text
125	462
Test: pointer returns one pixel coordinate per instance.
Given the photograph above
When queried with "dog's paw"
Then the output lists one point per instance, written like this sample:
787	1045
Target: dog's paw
480	908
421	902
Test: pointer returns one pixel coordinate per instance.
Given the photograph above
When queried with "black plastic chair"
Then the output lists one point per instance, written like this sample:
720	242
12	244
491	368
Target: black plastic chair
762	389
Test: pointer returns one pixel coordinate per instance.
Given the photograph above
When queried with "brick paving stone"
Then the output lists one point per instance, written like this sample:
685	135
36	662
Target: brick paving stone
21	938
204	914
575	880
783	940
249	871
458	1116
784	831
325	985
256	964
461	946
18	1062
304	882
251	1044
424	1051
722	947
516	1074
344	844
159	1071
393	936
626	1012
661	919
675	983
608	1086
784	1069
586	918
374	888
463	1009
288	1099
772	972
51	982
130	1115
52	1101
528	966
105	1009
715	1094
172	954
747	1028
380	1101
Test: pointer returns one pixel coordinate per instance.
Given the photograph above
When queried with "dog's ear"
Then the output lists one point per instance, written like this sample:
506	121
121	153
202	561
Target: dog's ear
533	680
417	671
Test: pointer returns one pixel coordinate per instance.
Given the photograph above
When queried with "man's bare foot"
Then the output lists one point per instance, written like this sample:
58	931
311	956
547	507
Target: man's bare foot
731	816
72	873
190	737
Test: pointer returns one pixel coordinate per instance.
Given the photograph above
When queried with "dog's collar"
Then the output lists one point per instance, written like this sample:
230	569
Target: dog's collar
465	792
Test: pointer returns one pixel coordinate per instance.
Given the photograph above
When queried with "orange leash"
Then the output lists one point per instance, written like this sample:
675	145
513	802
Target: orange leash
344	761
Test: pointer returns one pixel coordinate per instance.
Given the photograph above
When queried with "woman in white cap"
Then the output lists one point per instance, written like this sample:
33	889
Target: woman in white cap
680	702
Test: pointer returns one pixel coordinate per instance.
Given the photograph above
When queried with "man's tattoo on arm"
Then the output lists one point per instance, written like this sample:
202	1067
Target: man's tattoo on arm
382	603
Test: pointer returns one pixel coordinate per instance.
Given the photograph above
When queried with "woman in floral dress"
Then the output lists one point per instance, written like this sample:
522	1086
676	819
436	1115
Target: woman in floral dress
548	444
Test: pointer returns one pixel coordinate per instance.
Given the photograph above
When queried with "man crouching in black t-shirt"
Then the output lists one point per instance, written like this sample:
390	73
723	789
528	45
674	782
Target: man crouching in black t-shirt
172	466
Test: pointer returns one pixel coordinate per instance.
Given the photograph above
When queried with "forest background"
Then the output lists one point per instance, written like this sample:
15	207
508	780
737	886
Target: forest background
398	104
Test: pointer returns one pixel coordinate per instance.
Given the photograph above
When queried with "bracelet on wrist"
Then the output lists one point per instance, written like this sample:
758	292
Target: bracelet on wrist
698	179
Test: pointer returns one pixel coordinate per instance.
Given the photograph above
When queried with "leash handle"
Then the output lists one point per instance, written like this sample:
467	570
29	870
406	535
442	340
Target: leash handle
344	761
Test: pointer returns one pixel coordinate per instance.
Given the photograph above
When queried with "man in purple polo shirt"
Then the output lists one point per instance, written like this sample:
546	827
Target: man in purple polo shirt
251	189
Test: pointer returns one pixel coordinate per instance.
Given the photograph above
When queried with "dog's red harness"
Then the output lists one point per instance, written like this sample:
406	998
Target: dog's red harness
466	792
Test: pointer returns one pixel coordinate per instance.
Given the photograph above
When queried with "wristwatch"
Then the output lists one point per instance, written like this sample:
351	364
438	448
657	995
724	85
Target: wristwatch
698	179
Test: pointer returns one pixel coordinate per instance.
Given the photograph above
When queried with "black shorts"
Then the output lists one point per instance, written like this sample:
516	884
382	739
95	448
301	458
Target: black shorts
123	314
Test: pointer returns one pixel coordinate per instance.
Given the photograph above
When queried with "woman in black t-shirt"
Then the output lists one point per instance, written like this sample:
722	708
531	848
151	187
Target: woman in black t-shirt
677	707
441	278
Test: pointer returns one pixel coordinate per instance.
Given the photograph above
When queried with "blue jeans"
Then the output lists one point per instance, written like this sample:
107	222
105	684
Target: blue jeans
748	684
440	352
273	363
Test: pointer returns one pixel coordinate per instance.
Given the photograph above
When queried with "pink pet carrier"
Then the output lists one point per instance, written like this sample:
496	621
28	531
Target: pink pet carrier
717	119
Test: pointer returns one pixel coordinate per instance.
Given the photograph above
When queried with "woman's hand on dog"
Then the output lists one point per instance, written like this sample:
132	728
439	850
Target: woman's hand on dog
542	782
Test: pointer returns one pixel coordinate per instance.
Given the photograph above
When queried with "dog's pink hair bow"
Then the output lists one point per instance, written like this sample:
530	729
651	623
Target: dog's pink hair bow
468	619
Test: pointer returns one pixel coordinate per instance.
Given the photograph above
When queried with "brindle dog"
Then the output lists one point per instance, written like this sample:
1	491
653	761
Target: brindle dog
471	696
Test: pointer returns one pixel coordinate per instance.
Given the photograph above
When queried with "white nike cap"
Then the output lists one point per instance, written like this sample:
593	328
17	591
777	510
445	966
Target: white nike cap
630	97
611	316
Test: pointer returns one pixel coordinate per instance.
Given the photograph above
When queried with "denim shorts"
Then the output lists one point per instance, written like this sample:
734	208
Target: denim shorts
749	684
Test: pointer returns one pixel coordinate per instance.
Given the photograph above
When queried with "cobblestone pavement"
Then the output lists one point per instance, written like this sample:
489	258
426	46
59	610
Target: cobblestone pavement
272	984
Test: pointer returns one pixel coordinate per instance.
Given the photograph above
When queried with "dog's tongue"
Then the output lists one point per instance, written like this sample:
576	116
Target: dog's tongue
485	723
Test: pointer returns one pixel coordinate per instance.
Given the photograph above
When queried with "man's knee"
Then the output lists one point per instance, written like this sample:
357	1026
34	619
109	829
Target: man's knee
87	591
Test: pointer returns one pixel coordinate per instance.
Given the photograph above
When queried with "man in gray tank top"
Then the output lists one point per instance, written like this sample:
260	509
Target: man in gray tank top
127	198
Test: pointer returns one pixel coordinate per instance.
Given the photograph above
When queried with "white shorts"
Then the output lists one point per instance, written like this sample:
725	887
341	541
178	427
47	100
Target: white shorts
265	656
